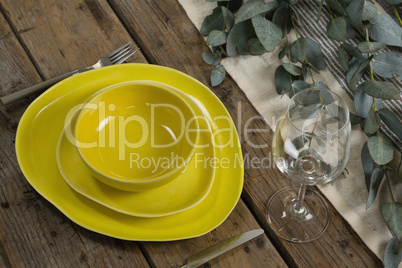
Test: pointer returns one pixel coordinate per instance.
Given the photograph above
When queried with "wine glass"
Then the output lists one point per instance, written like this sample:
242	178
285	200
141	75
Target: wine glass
311	146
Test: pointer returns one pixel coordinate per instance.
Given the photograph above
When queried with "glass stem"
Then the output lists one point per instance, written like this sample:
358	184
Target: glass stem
299	206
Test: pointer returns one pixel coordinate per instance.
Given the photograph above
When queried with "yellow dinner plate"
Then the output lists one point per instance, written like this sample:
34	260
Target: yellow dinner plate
187	190
42	124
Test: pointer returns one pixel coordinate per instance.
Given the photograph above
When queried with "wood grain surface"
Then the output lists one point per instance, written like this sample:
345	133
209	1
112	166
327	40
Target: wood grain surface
42	39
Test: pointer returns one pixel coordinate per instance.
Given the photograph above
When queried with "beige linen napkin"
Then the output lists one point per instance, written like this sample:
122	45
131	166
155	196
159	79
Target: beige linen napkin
255	76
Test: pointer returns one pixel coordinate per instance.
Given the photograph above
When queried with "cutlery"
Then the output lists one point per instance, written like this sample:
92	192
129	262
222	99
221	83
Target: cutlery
115	57
218	249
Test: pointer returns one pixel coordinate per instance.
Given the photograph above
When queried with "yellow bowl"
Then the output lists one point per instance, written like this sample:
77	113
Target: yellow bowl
136	135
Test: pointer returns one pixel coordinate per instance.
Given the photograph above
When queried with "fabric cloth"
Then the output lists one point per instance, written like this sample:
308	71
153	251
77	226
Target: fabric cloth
255	76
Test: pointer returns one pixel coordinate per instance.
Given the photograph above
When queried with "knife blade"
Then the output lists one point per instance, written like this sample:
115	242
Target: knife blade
218	249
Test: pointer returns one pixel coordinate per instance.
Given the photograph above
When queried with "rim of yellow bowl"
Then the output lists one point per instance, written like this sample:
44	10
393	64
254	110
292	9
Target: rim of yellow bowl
165	87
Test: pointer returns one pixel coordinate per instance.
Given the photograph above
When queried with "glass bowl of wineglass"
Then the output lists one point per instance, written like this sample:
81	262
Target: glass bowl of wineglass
311	146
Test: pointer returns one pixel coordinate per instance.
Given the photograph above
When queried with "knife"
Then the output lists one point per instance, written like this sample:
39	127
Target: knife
226	245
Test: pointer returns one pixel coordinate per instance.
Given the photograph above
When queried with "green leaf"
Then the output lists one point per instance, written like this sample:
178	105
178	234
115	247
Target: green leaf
256	47
381	89
370	47
211	59
216	38
393	252
381	149
355	77
375	181
238	37
228	17
232	5
298	86
292	69
292	2
251	8
368	165
372	122
269	34
350	33
393	216
387	65
312	67
355	12
314	54
336	6
336	29
364	102
355	119
284	52
352	51
300	141
391	121
369	10
281	18
212	22
282	80
384	29
298	49
217	75
343	58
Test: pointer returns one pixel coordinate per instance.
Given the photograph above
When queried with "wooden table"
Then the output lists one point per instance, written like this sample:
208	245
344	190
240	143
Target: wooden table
43	39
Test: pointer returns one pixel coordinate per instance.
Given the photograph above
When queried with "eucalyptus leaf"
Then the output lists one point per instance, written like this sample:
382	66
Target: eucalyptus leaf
364	102
256	47
232	5
350	33
216	38
312	67
387	65
352	51
393	216
381	149
211	59
291	2
343	59
368	165
217	75
292	69
370	47
284	52
356	76
335	6
372	122
283	80
252	8
393	254
391	121
237	41
300	141
369	10
384	29
381	89
282	19
228	17
355	12
355	119
212	22
336	29
269	34
298	86
319	11
375	181
314	54
298	49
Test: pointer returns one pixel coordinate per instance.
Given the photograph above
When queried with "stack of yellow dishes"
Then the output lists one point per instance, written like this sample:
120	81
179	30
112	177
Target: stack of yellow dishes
136	151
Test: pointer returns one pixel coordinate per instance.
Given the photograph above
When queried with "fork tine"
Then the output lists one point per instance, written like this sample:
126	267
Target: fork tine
111	54
123	51
126	55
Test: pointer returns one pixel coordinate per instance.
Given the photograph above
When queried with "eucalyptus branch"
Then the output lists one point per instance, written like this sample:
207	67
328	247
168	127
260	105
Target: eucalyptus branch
389	187
397	14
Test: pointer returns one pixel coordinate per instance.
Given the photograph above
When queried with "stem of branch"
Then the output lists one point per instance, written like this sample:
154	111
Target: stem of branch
397	14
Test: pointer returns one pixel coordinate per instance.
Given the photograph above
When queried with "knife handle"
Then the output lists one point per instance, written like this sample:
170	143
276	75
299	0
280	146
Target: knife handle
19	95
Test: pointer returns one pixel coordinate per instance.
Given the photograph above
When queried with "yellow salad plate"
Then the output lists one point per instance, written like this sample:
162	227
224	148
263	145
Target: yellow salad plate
43	122
190	187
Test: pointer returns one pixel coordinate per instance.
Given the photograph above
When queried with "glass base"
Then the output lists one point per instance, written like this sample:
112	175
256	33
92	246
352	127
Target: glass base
295	223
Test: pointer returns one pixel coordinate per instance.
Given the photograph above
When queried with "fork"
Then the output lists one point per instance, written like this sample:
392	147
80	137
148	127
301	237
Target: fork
115	57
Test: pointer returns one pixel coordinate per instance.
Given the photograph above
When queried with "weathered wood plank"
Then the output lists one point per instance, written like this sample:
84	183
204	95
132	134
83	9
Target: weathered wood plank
32	232
172	31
